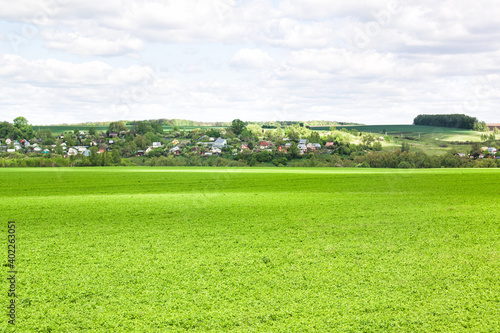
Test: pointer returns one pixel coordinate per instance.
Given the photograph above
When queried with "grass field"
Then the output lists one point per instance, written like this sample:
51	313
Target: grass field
428	139
397	129
58	129
263	250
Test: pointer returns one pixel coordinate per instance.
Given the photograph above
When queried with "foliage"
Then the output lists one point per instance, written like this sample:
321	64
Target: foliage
446	120
20	129
405	146
116	127
237	126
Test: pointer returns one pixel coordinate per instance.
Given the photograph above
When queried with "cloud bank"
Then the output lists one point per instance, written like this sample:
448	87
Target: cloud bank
366	61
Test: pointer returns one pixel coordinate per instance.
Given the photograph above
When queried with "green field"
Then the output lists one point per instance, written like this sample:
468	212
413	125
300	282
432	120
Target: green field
58	129
428	139
397	129
253	250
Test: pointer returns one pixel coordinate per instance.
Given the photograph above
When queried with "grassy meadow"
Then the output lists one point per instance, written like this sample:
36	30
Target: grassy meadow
431	140
254	250
398	129
59	129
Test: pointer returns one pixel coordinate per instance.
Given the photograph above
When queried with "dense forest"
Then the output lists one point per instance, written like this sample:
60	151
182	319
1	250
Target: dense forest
450	120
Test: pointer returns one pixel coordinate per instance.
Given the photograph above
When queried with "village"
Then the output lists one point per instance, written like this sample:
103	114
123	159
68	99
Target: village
239	144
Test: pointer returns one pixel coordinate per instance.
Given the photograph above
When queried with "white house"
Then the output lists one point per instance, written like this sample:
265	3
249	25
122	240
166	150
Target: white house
220	143
72	152
175	150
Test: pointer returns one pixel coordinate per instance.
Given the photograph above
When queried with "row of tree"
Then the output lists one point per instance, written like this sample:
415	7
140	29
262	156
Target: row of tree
450	120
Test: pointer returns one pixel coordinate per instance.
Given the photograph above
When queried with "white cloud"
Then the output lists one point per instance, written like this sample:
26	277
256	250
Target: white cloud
251	58
87	46
54	72
255	59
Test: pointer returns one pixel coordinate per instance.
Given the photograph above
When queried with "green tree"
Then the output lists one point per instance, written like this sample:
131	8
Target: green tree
144	127
58	149
157	127
292	152
255	130
404	165
115	154
70	142
22	130
367	139
141	141
6	130
46	136
405	147
20	122
116	127
92	130
237	126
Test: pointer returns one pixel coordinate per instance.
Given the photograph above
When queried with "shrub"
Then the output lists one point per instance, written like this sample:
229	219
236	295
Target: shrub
404	165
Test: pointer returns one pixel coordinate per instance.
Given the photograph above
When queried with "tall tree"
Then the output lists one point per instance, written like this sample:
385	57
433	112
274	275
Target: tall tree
22	130
116	127
237	126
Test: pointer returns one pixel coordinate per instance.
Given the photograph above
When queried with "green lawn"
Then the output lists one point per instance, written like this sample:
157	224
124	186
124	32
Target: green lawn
264	250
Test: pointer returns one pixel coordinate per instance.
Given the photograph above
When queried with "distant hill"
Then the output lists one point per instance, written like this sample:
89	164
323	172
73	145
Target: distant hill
392	129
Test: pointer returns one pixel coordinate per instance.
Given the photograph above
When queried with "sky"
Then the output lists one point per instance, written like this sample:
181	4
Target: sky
365	61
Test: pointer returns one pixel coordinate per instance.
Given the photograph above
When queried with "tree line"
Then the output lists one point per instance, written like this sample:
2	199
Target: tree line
450	120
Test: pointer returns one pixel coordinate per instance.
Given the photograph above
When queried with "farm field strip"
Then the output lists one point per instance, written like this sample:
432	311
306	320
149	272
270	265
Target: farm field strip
147	249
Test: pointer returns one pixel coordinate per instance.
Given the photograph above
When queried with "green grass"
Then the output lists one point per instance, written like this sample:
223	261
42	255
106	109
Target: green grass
58	129
428	139
200	249
397	129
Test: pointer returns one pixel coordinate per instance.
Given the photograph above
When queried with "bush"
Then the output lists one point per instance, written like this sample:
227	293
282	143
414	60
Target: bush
377	146
404	165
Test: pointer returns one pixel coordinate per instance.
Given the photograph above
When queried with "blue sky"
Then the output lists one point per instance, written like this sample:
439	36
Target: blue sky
367	61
